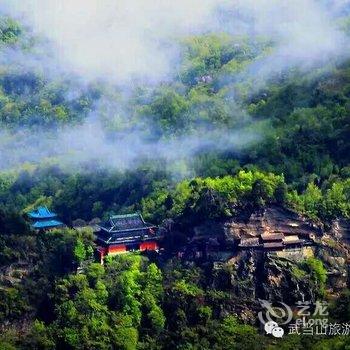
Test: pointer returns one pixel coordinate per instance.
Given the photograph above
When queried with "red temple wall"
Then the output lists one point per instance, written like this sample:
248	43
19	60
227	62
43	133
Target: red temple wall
122	248
148	246
115	249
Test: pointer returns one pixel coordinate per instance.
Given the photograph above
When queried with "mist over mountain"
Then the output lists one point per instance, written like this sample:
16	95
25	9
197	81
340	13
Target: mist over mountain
172	171
127	40
128	46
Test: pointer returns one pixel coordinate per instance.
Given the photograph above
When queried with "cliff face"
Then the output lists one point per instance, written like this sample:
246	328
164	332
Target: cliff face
340	230
252	274
276	228
273	220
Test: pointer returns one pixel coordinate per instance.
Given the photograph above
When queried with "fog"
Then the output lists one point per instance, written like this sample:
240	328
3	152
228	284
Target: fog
117	40
78	148
125	42
124	39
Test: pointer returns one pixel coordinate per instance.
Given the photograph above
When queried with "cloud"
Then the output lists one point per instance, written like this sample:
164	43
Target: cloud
116	40
124	41
305	32
88	143
121	40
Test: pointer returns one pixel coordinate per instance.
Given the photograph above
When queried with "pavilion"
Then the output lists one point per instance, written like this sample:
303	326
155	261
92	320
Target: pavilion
43	219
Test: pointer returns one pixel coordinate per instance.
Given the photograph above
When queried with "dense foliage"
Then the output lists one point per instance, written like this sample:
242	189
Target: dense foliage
300	160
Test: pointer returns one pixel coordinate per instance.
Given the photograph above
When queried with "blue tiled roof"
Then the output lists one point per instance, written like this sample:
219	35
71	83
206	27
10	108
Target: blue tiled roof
41	213
47	224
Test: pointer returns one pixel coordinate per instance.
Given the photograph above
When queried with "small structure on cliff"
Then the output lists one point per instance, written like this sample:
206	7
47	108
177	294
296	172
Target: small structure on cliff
272	241
123	233
277	241
43	219
277	228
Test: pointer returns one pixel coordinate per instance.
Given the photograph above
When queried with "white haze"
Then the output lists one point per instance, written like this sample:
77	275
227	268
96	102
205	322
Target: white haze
80	147
123	41
115	39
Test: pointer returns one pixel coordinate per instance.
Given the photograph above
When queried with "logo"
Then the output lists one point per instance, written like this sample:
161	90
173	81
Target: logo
308	319
272	317
271	327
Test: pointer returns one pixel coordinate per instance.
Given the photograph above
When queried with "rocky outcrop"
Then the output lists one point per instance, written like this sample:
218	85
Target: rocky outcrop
257	275
275	228
14	273
281	276
340	230
273	220
251	276
253	273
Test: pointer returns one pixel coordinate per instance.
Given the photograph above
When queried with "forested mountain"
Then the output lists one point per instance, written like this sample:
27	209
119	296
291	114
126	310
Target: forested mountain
216	142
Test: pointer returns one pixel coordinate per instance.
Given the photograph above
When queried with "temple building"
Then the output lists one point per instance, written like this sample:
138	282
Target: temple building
272	241
43	219
277	241
123	233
